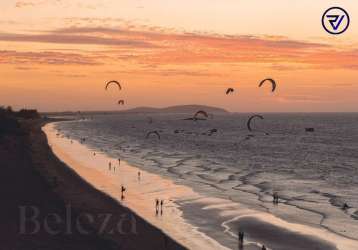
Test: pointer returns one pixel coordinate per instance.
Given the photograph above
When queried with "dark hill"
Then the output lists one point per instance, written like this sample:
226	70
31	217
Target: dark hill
184	109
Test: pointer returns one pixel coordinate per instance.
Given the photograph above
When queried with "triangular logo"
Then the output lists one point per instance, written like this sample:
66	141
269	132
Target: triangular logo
335	20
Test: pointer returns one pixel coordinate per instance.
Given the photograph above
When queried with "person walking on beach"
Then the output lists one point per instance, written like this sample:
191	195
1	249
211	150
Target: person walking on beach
138	175
241	238
109	166
275	198
119	161
123	189
345	206
156	206
161	206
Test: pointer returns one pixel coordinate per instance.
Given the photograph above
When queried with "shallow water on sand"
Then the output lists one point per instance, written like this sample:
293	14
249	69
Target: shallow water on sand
314	174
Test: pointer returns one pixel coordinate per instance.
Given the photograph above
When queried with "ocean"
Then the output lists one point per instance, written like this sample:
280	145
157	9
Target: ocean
313	173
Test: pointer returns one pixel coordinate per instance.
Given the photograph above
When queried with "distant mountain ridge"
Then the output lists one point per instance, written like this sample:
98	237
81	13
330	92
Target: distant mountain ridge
185	109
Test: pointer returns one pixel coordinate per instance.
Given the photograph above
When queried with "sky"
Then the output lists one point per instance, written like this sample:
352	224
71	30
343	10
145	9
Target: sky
57	55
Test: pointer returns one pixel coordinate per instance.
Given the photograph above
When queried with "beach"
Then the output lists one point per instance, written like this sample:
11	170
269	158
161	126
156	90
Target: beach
67	188
192	216
140	194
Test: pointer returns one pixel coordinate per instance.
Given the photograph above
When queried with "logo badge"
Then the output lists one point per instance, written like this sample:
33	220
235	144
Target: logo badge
335	20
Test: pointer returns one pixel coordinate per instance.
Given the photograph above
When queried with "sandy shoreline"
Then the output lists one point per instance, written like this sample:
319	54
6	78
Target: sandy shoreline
141	196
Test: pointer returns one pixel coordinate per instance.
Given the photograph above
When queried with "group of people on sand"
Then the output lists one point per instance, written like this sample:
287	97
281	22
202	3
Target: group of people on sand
123	189
157	204
110	167
110	164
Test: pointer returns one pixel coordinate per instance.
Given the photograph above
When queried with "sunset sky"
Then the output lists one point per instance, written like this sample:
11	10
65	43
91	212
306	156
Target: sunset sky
57	55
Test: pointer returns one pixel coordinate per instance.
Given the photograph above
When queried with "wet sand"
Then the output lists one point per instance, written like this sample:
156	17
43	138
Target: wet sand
185	211
225	217
279	238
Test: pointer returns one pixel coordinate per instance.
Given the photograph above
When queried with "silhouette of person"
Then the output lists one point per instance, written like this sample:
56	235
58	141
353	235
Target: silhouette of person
275	198
161	206
138	175
156	206
241	237
123	189
345	206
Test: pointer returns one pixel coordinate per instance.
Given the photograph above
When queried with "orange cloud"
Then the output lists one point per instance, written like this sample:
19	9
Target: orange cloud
71	39
160	47
32	3
49	58
21	4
